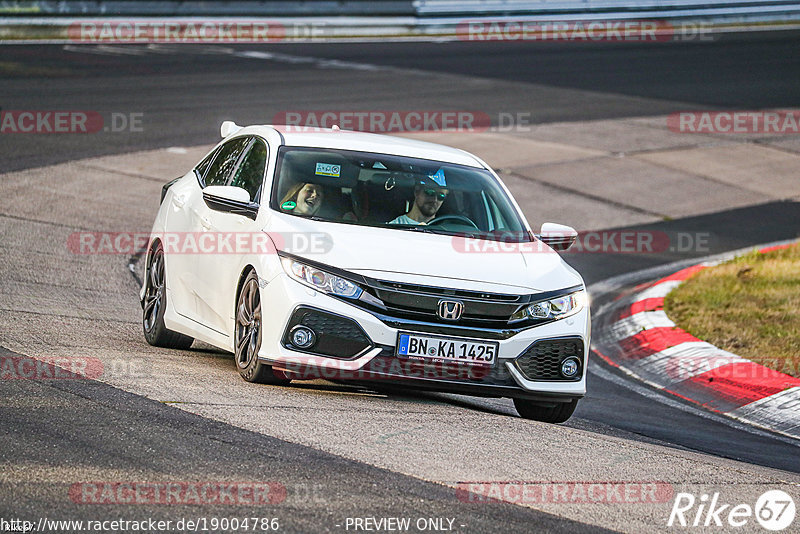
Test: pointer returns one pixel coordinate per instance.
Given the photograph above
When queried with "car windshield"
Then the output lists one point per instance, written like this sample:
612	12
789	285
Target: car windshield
396	192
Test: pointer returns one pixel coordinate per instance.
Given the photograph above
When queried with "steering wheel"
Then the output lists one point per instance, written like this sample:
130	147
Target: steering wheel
445	218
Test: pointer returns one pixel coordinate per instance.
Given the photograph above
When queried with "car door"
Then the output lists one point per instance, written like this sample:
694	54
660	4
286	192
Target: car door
218	282
188	221
178	225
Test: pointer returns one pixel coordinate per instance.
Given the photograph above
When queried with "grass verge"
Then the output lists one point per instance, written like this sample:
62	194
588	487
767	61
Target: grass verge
749	306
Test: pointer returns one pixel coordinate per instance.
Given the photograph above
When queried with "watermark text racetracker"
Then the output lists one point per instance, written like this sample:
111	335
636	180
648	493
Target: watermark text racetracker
19	367
565	492
311	367
398	121
69	122
177	31
383	121
774	122
49	368
604	241
197	30
728	368
208	242
178	493
627	31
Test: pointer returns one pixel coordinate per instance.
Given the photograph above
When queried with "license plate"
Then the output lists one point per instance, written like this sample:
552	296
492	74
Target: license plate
446	348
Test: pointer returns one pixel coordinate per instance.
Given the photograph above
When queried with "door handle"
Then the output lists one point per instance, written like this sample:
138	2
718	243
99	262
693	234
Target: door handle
206	223
179	200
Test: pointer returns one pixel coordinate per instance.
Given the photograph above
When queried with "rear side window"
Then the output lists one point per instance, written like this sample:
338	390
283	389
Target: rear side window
225	161
250	174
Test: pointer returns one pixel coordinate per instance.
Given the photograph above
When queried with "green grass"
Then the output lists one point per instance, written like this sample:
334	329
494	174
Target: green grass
749	306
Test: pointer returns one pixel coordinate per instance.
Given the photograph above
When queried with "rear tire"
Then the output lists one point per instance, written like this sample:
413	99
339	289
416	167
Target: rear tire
247	336
155	304
547	413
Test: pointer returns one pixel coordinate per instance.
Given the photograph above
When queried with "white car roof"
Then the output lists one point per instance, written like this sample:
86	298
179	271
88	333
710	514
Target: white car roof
362	142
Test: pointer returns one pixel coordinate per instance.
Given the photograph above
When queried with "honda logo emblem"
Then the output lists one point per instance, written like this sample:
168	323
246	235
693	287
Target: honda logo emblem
450	310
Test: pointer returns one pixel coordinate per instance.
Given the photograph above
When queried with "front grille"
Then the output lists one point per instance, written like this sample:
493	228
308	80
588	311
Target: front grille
542	360
337	336
444	292
419	303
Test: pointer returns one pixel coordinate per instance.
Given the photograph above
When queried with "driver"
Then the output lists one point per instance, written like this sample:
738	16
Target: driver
429	194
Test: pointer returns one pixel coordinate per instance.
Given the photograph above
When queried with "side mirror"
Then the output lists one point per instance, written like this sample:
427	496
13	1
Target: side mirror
228	128
227	192
230	199
558	236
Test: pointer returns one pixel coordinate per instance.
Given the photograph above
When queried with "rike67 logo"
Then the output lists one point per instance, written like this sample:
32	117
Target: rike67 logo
774	510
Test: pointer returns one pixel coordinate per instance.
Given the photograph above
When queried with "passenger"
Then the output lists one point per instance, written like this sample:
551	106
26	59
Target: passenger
303	199
429	195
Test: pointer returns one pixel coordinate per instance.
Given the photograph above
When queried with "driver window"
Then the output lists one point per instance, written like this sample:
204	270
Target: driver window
250	174
225	161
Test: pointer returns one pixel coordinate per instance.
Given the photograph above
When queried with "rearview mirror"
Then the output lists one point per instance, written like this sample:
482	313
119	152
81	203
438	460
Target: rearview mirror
558	236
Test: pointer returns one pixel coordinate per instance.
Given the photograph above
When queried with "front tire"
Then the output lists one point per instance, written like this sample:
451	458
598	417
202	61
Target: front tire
155	304
247	335
557	412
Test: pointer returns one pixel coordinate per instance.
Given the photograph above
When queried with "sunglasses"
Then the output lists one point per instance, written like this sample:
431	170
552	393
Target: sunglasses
434	193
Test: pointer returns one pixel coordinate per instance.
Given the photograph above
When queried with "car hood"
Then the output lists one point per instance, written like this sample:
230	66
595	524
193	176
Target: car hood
426	259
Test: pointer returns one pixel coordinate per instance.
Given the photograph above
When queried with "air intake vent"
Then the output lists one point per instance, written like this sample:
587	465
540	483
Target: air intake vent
542	360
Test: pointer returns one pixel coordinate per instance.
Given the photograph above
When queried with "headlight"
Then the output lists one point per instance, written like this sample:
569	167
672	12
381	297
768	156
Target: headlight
556	308
320	280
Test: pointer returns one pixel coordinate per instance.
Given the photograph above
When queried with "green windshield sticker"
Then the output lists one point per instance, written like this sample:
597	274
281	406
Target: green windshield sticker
328	169
288	205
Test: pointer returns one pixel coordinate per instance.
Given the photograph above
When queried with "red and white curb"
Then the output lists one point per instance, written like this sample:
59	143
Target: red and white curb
637	337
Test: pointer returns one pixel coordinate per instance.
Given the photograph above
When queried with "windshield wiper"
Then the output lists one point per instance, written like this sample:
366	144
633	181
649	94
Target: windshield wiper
433	230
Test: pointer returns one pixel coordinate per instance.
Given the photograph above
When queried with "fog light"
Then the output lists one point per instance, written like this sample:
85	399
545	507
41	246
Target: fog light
303	337
569	367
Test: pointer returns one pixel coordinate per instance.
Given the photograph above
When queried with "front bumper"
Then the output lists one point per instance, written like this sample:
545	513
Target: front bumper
378	364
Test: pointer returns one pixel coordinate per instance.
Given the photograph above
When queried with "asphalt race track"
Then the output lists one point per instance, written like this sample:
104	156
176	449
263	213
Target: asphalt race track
343	451
182	89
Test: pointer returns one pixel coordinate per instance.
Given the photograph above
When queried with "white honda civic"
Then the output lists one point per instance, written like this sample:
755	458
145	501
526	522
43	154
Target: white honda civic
320	253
